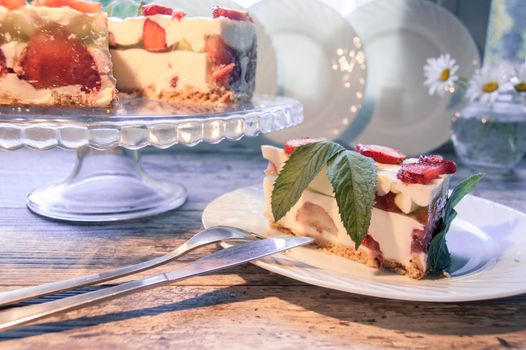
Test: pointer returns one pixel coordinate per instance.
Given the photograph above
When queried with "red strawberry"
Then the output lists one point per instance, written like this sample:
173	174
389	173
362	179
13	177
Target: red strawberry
291	145
79	5
218	52
446	166
3	65
12	4
111	39
231	14
221	74
153	36
381	154
418	173
59	59
178	14
153	9
173	81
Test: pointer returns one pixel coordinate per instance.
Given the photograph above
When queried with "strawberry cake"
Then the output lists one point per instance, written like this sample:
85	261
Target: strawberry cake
54	52
166	55
407	207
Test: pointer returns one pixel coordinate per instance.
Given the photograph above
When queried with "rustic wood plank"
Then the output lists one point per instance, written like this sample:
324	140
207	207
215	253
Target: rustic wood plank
245	307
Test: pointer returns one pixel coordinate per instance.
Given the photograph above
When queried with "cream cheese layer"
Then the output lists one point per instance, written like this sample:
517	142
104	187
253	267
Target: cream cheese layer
392	231
409	197
138	69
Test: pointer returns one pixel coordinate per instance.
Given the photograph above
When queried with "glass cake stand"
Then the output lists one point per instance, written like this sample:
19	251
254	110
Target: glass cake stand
108	182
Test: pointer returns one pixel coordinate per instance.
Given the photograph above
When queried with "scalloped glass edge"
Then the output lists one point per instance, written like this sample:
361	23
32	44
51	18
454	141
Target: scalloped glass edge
159	132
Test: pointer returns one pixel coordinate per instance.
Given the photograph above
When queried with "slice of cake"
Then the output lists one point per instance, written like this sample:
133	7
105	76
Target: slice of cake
397	205
167	55
54	52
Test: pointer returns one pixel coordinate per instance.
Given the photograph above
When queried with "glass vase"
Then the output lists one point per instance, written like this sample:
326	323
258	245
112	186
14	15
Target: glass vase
491	138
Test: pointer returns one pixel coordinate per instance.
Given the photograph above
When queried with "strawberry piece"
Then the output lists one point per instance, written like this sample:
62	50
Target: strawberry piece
291	145
218	52
153	9
3	65
111	39
417	173
446	166
178	14
12	4
221	74
231	14
153	36
58	59
173	81
79	5
381	154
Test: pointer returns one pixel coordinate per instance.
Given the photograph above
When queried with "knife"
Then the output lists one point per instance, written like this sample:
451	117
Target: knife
222	259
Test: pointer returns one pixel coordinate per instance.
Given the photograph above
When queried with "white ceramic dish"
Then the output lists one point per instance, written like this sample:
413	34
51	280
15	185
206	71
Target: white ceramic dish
398	37
487	243
320	62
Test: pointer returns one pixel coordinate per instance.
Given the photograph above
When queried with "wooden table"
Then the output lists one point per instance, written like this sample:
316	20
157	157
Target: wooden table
242	308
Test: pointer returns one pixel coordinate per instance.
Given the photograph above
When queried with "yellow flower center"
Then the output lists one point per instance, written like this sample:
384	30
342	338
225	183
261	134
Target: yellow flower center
444	75
520	87
490	87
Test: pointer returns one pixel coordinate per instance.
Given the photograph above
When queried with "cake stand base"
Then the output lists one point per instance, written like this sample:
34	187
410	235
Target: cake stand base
108	185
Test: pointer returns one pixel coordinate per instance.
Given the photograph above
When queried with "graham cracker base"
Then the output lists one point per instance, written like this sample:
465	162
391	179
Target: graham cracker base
216	95
59	100
414	270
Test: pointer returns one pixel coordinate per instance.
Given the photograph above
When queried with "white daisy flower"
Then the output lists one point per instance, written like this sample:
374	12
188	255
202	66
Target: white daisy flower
440	74
519	78
488	82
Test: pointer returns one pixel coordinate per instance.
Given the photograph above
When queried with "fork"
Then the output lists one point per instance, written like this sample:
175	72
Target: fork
208	236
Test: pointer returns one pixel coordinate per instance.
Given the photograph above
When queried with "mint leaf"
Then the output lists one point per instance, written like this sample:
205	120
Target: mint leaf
298	172
123	8
438	258
353	178
462	189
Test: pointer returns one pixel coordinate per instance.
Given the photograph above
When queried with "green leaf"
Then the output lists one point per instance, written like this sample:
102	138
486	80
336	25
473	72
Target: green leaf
438	258
123	8
461	190
353	178
299	171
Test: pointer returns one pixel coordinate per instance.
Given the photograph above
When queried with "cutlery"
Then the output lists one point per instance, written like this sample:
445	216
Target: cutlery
200	239
222	259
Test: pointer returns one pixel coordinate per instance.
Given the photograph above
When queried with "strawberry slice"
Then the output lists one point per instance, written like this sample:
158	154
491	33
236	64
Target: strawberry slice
12	4
218	52
221	74
3	65
446	166
79	5
153	36
174	81
154	9
178	14
417	173
57	58
291	145
231	14
381	154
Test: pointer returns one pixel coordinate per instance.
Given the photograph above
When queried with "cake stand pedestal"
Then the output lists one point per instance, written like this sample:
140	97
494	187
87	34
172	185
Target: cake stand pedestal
108	182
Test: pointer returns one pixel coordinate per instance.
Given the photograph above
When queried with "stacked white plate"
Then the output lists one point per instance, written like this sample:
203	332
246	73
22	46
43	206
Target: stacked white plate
320	61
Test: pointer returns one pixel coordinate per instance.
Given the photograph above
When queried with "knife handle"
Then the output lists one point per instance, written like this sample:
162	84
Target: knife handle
22	315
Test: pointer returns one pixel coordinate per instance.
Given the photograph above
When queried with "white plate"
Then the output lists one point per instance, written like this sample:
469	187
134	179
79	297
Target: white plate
320	62
266	71
487	243
398	37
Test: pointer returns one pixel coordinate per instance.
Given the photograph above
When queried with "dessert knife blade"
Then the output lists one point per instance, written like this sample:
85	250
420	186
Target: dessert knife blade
222	259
